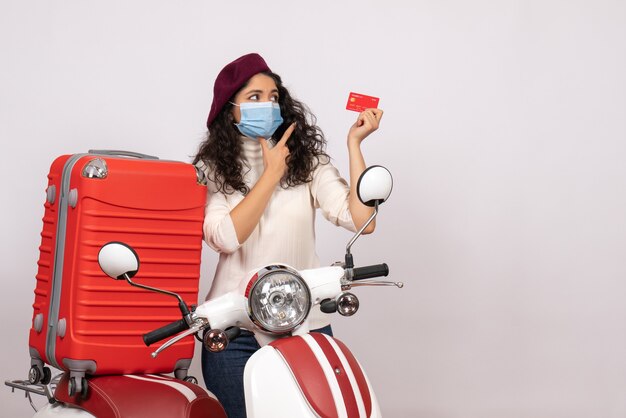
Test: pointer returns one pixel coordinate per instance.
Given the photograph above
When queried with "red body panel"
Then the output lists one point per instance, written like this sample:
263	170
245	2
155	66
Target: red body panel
157	207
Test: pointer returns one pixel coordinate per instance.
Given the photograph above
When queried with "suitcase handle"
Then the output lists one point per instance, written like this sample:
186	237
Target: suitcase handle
123	153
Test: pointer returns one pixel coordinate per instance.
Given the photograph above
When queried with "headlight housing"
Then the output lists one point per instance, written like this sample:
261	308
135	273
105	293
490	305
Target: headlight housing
279	299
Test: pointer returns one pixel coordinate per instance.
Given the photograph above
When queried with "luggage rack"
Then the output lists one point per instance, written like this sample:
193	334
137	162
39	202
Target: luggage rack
37	389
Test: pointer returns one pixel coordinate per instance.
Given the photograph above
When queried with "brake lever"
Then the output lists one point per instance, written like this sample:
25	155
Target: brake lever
192	330
368	282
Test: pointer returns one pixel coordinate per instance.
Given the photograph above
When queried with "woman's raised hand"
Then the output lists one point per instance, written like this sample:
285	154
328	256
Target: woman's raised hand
275	159
366	123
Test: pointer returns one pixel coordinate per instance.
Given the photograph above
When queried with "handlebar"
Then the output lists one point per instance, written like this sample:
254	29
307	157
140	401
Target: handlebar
165	331
368	272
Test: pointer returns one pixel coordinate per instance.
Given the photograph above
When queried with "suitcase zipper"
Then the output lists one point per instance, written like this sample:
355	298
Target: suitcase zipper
57	275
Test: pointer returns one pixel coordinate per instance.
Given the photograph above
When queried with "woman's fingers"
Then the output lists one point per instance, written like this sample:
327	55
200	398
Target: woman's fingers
370	115
369	120
378	113
263	143
275	159
361	119
287	134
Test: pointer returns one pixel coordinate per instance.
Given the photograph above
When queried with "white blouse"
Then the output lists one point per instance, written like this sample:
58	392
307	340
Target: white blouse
286	231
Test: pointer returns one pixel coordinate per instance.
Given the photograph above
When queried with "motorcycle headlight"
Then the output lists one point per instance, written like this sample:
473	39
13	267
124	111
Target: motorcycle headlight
278	299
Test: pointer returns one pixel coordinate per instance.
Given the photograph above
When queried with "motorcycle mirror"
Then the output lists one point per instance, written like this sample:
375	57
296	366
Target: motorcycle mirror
374	185
118	260
373	188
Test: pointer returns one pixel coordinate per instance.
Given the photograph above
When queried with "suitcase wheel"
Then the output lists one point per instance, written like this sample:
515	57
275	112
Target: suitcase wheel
47	376
71	386
191	379
81	386
84	389
34	375
41	375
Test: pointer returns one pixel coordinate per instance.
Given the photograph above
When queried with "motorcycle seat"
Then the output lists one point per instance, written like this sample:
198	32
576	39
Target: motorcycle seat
154	396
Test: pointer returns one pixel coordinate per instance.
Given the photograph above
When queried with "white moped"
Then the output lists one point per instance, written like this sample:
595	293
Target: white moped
296	373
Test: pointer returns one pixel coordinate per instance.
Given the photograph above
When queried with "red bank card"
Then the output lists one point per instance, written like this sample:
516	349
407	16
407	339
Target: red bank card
360	102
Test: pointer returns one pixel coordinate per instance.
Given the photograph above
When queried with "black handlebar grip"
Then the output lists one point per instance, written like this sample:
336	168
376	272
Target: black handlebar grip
162	333
368	272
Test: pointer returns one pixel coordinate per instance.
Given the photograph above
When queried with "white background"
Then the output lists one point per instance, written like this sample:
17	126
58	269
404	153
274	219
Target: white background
504	128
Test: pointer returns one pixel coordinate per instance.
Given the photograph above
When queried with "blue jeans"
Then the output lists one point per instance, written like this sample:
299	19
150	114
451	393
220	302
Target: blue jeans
223	372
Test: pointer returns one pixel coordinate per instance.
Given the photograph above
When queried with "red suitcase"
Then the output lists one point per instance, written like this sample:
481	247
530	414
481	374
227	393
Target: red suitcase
85	322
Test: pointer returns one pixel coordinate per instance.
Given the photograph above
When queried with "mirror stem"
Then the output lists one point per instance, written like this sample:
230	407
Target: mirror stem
349	260
181	303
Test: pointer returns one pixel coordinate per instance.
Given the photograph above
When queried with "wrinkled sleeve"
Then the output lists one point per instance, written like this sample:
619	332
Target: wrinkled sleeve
330	193
218	229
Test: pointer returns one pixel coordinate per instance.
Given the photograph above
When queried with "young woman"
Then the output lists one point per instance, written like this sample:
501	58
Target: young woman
268	172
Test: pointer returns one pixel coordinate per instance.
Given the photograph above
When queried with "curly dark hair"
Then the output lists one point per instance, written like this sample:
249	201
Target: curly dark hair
221	149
